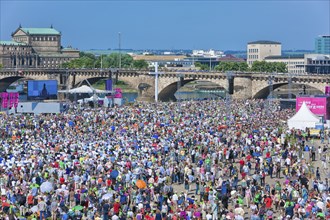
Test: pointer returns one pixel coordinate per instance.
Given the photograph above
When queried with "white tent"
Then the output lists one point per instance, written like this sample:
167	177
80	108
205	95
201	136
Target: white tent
85	89
303	119
90	99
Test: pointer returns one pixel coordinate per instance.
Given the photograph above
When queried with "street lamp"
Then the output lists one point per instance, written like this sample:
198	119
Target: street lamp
290	86
179	84
119	47
270	96
156	73
228	94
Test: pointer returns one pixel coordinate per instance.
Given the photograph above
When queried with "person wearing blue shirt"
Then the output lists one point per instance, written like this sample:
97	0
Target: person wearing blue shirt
289	210
65	216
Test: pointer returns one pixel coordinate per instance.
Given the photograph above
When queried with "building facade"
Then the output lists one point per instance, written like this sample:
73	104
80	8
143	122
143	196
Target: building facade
317	63
322	44
259	50
294	64
35	48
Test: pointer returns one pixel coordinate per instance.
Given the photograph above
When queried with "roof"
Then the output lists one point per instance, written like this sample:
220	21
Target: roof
230	58
69	49
303	118
159	57
284	57
58	55
41	31
264	42
8	42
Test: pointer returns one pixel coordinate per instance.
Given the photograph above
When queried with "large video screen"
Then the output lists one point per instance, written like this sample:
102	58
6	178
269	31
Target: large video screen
42	89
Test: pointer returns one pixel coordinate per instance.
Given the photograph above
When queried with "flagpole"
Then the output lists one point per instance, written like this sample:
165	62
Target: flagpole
156	81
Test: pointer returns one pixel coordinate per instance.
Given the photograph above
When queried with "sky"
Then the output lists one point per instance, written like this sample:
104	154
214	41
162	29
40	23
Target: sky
172	24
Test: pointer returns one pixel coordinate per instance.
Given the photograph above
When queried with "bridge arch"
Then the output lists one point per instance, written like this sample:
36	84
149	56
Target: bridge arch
92	80
169	88
265	91
167	94
7	81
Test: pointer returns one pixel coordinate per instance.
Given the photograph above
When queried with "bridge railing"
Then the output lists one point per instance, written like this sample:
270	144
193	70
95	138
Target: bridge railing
146	71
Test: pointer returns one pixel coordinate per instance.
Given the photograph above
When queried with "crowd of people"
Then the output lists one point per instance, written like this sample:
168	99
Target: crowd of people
188	160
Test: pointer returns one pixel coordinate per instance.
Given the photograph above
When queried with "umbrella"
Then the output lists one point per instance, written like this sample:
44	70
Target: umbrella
46	187
78	208
151	180
114	174
106	196
223	126
141	184
34	209
320	205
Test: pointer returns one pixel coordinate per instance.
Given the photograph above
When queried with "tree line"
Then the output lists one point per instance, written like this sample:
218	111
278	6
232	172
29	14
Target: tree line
88	60
257	66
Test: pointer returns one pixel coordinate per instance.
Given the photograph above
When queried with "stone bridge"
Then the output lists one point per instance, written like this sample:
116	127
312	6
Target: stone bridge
245	84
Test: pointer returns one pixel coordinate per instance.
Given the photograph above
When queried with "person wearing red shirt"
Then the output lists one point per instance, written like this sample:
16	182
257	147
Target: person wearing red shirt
30	200
268	202
56	164
248	157
149	217
62	180
241	164
109	182
116	207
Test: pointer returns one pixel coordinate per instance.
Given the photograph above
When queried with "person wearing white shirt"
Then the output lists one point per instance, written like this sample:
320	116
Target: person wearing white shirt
208	216
114	217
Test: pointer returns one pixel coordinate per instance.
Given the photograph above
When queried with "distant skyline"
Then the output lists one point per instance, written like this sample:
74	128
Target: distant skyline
180	24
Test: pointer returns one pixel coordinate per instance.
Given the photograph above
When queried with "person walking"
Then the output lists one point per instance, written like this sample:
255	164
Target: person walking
42	208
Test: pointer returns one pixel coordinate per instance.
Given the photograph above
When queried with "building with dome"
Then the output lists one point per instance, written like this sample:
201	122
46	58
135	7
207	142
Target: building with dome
35	48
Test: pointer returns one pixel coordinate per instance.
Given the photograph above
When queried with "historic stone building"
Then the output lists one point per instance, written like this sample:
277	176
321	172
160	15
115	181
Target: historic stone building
35	48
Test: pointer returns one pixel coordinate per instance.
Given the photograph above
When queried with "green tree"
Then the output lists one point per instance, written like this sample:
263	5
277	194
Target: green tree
112	61
86	60
232	66
140	64
202	66
281	67
269	67
82	62
90	55
1	66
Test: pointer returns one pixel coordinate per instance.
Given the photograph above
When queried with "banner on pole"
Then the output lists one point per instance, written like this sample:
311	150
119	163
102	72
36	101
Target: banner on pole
4	99
108	84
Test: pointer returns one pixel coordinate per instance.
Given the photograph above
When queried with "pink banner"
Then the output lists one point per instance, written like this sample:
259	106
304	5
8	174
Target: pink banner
327	90
317	105
11	100
4	99
118	93
16	99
